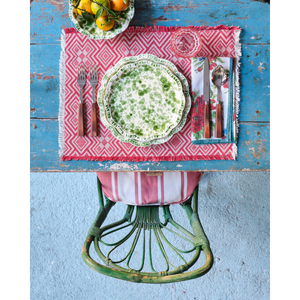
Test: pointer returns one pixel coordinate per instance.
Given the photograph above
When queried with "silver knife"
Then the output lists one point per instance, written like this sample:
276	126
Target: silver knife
206	90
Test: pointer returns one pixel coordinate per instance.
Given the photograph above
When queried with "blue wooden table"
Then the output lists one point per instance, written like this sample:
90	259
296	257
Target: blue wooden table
49	17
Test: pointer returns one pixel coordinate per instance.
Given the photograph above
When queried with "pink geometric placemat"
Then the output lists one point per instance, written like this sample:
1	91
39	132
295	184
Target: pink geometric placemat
77	48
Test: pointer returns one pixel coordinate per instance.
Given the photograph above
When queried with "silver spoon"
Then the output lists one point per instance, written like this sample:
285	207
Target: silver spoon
218	78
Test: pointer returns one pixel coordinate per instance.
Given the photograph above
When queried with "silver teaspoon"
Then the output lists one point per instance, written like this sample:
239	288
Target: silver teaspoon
218	78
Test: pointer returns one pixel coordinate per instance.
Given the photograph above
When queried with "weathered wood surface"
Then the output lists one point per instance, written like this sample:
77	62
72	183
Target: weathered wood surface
253	153
48	18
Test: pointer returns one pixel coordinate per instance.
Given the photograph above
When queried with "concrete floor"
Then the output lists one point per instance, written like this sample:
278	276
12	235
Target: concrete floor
234	211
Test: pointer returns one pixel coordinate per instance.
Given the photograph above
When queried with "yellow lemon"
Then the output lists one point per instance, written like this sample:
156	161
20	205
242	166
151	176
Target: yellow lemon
95	7
103	24
85	5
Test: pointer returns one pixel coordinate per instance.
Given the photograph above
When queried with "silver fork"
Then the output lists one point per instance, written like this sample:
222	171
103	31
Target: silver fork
81	79
93	74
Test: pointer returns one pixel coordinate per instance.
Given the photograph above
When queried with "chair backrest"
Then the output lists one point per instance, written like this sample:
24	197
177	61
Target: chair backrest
137	188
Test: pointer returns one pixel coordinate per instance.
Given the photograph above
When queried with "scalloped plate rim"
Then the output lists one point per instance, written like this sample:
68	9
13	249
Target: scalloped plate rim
170	128
115	68
184	82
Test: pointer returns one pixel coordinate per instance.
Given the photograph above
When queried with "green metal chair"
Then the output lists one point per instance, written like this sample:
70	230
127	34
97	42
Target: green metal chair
147	221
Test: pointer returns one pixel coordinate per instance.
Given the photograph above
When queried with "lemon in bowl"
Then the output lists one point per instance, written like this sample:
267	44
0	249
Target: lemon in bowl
95	7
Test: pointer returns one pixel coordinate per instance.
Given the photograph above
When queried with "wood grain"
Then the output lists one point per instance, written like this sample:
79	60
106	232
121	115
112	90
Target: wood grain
94	124
206	130
48	17
80	131
253	154
218	124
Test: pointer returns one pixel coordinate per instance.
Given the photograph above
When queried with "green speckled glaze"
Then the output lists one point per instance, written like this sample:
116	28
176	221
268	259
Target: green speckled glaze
145	100
93	32
119	133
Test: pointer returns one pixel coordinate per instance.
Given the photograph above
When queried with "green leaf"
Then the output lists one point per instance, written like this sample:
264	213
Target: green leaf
199	63
96	2
87	16
107	22
198	135
109	11
227	72
124	12
99	13
125	2
82	22
77	3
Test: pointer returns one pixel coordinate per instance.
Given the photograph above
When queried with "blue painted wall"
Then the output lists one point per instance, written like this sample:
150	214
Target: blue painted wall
234	211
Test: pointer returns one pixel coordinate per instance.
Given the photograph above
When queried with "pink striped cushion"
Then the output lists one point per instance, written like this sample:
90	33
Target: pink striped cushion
136	188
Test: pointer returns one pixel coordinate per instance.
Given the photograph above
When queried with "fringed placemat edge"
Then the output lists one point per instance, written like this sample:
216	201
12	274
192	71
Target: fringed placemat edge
61	111
154	159
238	54
146	29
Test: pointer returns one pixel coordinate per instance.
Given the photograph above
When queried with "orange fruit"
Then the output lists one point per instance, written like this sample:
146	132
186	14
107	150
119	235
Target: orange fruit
86	5
119	5
102	24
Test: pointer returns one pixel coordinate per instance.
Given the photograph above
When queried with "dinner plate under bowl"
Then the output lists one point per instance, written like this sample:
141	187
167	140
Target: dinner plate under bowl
128	60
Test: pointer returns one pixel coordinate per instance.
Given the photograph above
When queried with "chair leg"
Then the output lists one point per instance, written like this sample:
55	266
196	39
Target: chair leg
147	219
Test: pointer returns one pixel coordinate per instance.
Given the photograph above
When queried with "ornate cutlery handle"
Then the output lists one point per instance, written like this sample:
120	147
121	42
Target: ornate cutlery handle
218	128
218	125
80	131
206	133
94	120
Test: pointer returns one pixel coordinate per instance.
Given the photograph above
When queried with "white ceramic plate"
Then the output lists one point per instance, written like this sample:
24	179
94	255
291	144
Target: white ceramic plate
109	74
144	100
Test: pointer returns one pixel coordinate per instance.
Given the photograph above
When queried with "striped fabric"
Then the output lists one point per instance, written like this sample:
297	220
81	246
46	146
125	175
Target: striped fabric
137	188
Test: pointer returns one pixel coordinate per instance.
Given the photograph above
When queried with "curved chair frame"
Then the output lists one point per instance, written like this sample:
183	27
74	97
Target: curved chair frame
147	218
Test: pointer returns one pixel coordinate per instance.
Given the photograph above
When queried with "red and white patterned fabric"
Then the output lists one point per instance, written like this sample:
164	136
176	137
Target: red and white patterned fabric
77	48
137	188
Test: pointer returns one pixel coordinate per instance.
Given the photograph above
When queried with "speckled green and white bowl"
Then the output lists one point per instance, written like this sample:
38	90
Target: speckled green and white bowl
92	31
112	71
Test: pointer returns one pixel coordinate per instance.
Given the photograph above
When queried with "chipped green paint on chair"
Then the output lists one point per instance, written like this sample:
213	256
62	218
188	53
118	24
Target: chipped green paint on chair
147	220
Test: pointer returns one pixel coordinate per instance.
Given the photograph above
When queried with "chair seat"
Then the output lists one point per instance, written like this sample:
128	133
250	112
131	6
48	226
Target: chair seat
137	188
148	245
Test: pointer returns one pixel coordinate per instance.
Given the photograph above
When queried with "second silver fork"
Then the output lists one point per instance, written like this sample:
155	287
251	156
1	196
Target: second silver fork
93	74
81	79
